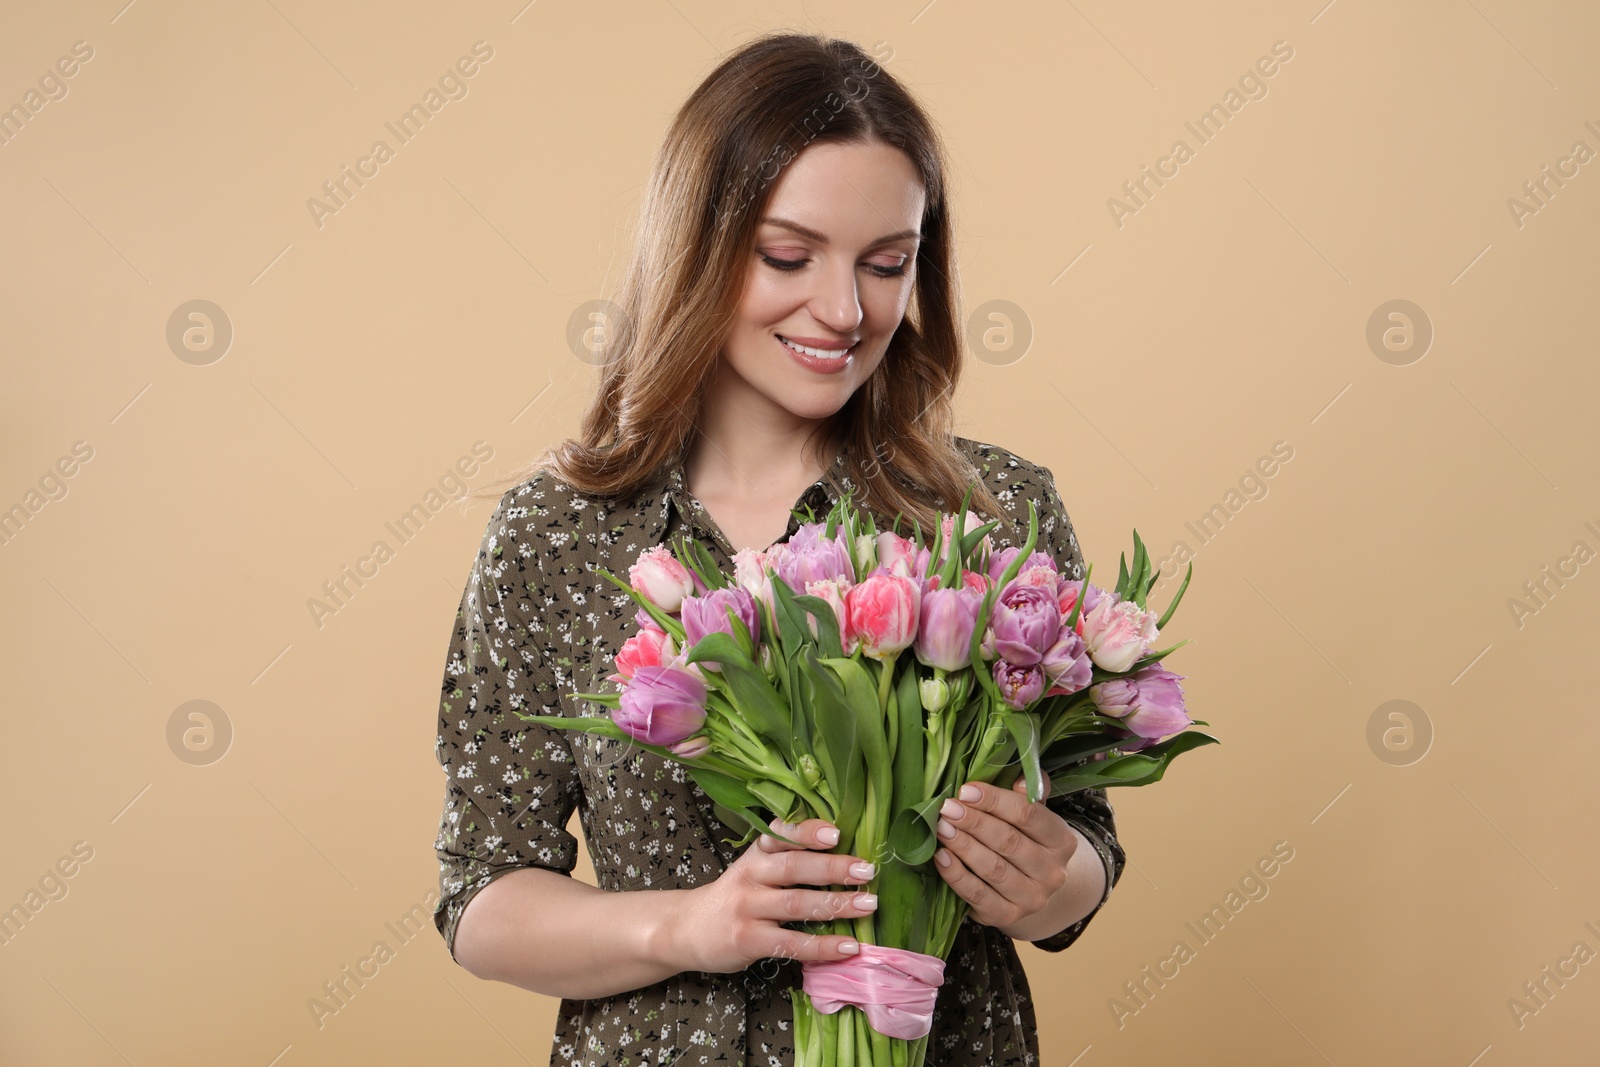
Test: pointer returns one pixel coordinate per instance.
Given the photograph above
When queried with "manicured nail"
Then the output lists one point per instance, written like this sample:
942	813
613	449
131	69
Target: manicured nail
867	900
946	831
849	948
970	792
828	835
942	858
863	871
951	810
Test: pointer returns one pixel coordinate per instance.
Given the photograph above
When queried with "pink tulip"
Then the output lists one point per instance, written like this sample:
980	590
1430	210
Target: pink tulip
881	615
1066	664
946	620
661	705
947	523
1149	701
832	590
893	549
1066	597
691	747
1042	575
1118	632
649	647
661	579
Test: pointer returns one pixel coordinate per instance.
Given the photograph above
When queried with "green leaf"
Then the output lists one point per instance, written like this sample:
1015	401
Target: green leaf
733	798
748	688
1075	748
599	724
913	837
1187	574
1141	566
839	739
670	623
710	573
1071	621
776	798
1025	728
970	541
911	742
861	695
827	623
1131	769
1155	657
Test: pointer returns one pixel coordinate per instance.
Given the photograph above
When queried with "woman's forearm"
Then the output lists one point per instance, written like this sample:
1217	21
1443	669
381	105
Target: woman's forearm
552	934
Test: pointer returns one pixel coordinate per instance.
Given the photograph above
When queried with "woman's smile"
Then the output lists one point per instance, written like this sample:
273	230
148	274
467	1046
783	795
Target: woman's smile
819	354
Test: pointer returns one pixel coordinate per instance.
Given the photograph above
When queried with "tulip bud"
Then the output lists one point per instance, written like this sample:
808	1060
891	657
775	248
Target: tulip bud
810	773
935	693
691	747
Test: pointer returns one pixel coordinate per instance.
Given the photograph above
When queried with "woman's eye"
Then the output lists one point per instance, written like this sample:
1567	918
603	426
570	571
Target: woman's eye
783	264
879	269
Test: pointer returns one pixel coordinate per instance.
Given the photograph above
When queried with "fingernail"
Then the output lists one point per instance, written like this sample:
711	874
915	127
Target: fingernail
942	858
828	835
863	871
970	792
952	810
946	831
849	948
866	900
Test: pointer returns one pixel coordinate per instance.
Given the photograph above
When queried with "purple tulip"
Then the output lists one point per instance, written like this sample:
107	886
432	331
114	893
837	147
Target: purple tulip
813	557
1025	623
944	632
1019	685
1149	701
708	614
1000	560
661	705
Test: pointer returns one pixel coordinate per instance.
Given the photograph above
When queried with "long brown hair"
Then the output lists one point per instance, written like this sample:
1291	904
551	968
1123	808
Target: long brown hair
708	190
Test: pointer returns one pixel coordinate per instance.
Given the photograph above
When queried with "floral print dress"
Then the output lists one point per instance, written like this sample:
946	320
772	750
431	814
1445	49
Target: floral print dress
537	624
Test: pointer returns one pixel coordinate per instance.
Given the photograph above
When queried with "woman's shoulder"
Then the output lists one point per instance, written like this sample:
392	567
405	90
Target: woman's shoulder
536	518
1011	477
571	531
1015	481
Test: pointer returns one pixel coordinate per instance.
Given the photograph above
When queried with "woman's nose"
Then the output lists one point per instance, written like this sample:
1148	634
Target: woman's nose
836	304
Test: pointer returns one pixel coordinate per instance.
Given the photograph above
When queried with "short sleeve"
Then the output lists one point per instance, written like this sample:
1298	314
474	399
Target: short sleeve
1088	811
510	785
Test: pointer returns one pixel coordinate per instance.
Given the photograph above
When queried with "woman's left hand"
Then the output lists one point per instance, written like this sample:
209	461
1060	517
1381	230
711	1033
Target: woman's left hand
1006	857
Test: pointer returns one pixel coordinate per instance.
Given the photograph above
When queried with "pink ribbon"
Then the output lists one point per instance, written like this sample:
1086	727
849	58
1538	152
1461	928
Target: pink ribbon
896	987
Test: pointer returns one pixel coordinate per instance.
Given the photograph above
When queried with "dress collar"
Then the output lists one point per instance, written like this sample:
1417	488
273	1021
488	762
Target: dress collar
678	507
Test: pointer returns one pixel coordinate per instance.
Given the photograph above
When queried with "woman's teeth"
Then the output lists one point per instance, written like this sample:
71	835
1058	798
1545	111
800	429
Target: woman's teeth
819	353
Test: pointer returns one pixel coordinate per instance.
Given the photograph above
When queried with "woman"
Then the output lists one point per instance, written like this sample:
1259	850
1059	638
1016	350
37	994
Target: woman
787	332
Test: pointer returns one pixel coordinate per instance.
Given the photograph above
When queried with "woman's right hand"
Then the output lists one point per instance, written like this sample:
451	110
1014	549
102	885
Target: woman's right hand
736	920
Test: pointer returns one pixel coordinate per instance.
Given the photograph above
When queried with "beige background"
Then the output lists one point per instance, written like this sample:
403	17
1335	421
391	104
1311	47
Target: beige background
1168	355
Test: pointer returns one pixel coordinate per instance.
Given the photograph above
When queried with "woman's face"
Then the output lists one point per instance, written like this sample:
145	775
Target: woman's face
831	270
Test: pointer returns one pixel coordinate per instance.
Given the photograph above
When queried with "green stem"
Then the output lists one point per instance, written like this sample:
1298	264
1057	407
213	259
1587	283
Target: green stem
885	692
866	845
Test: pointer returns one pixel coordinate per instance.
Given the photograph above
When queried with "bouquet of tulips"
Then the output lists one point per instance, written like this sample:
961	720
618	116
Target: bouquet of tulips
787	691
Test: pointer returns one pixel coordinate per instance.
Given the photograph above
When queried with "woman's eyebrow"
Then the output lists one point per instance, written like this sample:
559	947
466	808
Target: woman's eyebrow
821	239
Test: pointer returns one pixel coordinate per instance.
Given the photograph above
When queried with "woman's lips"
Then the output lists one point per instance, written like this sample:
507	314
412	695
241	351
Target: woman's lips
820	364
